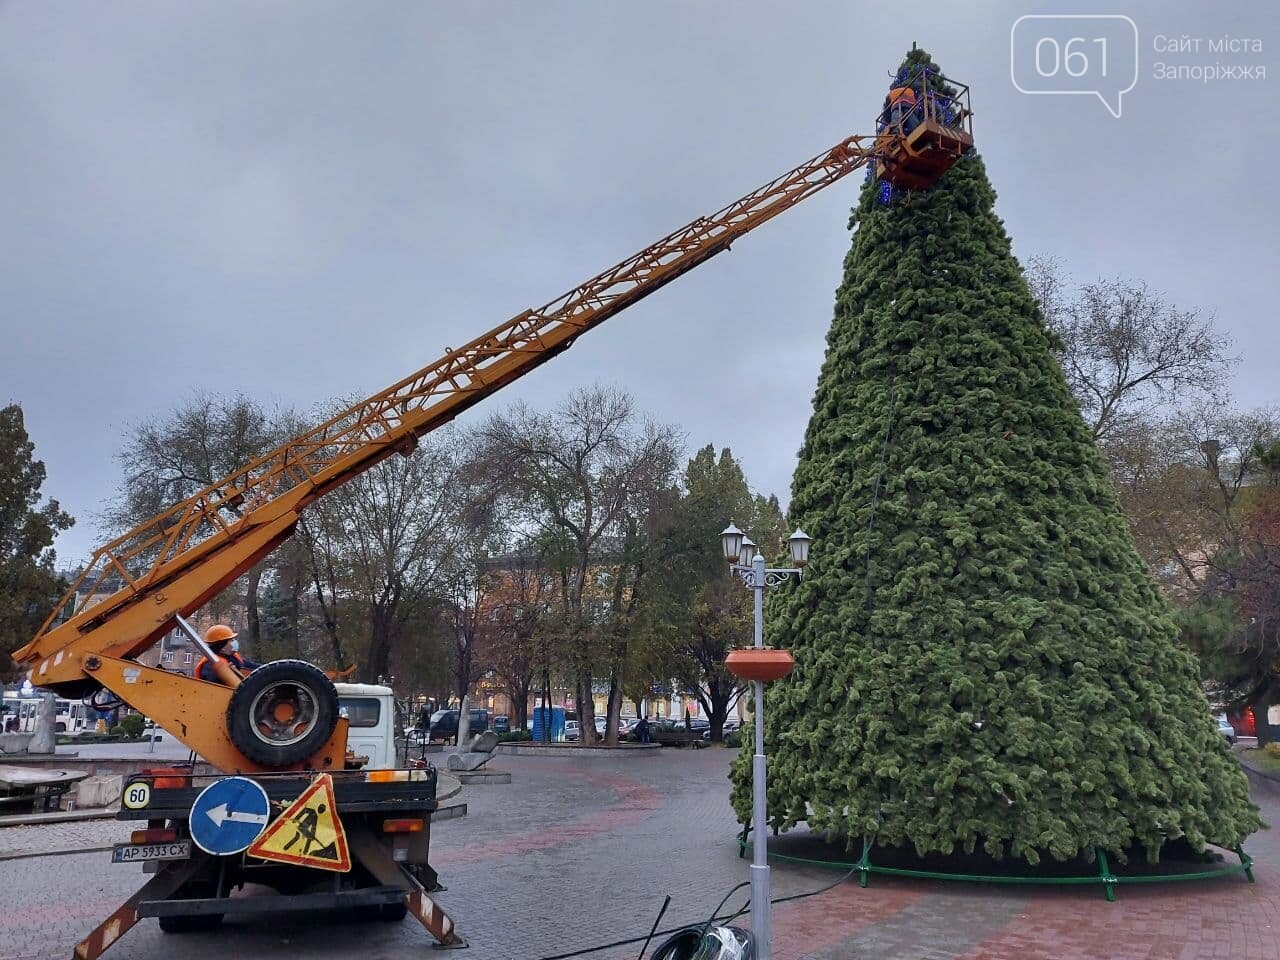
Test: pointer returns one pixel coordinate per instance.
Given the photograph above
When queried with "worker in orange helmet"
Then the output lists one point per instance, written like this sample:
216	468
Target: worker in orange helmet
903	108
222	641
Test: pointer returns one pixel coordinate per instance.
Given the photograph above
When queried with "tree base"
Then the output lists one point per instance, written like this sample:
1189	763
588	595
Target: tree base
813	849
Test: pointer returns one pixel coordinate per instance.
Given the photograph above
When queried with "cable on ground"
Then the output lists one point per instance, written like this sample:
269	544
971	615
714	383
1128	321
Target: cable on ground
699	928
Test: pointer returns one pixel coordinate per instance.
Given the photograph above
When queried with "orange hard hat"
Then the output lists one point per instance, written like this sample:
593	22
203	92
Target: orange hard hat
219	633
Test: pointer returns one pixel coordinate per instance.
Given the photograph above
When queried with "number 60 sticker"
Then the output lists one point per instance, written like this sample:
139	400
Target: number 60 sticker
137	795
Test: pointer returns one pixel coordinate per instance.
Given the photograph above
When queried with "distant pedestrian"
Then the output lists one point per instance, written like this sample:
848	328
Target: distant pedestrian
642	731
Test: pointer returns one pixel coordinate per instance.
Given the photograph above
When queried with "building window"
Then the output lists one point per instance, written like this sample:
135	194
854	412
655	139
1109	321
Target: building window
186	658
167	656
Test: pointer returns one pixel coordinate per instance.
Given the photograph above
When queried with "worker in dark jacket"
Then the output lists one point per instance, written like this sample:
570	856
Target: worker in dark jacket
904	109
222	641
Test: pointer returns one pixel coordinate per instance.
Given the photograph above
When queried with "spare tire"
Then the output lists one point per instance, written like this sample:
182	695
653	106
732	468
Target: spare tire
283	713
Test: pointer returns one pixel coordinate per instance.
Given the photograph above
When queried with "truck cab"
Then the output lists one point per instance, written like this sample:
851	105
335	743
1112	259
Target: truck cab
371	714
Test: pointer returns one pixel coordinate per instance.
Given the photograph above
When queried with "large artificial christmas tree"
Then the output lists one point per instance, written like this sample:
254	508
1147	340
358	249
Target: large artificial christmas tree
982	659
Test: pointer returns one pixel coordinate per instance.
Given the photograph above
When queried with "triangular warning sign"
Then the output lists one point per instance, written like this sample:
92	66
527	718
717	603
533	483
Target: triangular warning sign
308	833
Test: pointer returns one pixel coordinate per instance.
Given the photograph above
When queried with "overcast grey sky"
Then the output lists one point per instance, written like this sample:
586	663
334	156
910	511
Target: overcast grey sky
304	200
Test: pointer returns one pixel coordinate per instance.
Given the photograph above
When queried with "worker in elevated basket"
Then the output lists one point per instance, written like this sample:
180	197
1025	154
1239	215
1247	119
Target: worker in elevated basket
222	641
903	108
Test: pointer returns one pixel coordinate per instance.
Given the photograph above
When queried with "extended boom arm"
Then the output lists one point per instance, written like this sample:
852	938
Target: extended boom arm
177	561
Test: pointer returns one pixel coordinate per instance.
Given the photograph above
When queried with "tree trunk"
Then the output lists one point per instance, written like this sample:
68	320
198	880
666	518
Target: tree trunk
521	706
295	614
330	613
613	709
254	622
378	664
462	666
586	710
716	702
1261	708
546	702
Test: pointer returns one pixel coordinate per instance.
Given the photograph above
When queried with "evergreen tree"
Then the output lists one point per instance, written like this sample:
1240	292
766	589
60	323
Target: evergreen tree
28	585
704	608
982	659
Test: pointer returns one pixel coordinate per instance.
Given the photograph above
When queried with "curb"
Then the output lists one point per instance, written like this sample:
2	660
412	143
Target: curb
568	752
57	816
1266	782
27	855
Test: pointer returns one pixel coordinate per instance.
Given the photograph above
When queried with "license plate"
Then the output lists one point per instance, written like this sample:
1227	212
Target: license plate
142	852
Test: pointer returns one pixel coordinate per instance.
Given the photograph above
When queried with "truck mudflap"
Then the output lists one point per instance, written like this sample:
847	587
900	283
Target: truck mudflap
396	884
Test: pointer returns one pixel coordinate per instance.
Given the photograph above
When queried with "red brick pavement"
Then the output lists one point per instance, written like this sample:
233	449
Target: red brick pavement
802	927
634	801
1217	918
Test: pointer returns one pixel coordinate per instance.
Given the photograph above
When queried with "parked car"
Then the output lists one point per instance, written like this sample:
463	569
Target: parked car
502	723
626	726
1227	730
571	731
674	733
444	724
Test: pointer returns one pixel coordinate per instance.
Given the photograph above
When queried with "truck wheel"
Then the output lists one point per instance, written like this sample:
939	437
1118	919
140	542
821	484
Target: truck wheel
196	924
282	713
393	912
386	912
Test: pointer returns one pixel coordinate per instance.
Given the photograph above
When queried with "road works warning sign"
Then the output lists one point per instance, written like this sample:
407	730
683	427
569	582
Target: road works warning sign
308	833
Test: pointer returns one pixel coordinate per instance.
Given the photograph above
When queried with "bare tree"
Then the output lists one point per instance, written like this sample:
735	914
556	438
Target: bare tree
166	459
382	546
517	618
1125	350
318	534
1183	481
468	598
580	471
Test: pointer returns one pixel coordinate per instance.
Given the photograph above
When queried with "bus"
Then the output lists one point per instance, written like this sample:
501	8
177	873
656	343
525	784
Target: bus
70	716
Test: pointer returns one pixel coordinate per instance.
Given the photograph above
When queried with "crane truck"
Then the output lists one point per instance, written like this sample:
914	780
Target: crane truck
276	737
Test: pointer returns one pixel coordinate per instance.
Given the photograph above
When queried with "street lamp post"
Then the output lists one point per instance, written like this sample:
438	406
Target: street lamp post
759	666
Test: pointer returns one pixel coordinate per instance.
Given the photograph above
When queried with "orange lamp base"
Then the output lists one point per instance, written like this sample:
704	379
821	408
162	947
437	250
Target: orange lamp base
763	665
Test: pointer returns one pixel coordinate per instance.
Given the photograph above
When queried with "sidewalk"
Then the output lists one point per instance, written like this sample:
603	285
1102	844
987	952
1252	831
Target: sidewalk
65	837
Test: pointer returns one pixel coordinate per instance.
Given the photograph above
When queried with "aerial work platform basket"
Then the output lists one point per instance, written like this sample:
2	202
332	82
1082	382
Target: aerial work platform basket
926	127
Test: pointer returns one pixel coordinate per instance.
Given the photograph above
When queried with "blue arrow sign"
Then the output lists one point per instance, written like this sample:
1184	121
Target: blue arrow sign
229	815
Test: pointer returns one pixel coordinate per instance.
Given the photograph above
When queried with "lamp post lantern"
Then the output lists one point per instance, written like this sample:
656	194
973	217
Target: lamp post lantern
760	665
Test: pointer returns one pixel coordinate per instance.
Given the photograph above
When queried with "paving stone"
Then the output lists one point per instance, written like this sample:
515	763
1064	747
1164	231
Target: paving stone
572	855
63	837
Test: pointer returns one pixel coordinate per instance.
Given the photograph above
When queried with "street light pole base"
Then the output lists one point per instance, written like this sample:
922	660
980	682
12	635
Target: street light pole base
760	912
